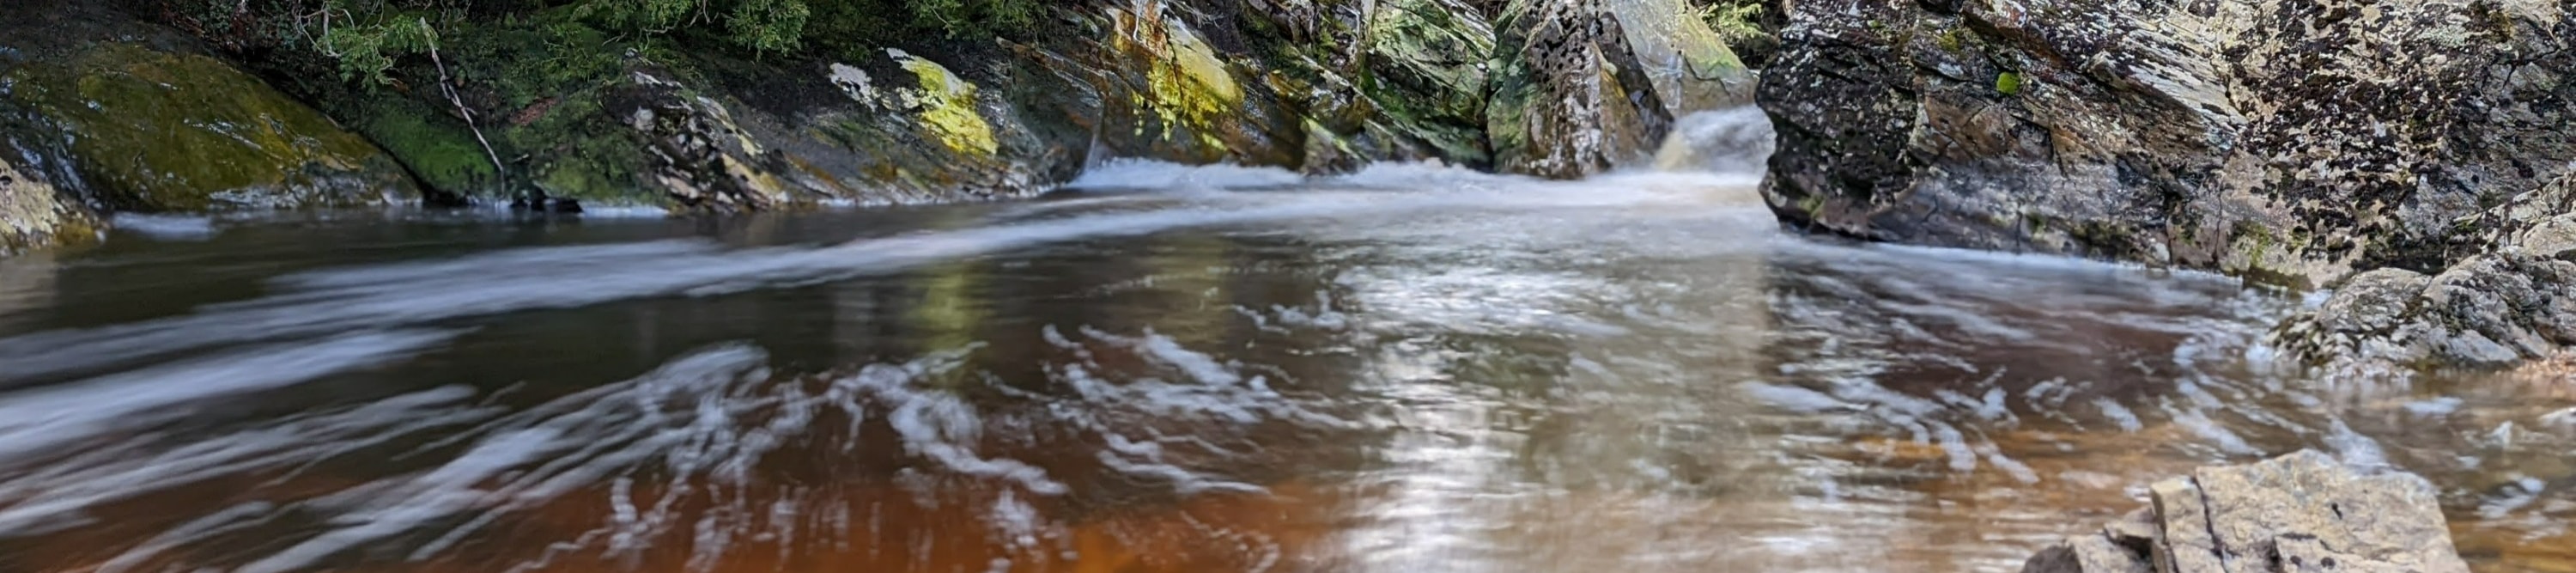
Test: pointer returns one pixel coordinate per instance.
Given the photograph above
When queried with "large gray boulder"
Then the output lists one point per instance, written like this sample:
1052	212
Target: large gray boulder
2293	141
2299	513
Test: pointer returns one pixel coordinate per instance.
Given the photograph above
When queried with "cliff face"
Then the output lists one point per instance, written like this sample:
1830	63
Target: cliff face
2296	142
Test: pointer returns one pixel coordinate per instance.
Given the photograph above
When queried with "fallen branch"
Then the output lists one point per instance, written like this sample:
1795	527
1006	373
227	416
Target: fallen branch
447	88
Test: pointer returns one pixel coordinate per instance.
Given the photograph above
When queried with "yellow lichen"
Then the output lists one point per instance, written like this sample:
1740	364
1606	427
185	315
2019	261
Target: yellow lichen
1187	85
947	105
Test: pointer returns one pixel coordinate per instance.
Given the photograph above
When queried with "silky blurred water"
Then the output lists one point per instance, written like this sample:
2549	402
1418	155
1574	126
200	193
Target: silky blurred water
1412	368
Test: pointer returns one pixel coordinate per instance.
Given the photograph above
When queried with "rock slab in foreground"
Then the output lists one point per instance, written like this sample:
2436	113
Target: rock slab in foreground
2299	513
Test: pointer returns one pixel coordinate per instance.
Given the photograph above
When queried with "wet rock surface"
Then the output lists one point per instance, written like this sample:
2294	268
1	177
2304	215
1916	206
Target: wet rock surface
34	215
2304	512
1558	88
131	116
2513	302
2293	142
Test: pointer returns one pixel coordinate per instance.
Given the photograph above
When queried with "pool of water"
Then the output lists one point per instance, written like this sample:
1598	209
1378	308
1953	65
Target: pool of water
1168	369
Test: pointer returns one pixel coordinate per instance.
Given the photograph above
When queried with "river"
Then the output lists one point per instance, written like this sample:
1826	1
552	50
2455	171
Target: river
1411	368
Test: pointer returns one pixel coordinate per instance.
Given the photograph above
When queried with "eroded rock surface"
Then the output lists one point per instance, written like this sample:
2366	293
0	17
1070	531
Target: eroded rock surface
33	215
2293	141
2299	513
1558	88
2515	301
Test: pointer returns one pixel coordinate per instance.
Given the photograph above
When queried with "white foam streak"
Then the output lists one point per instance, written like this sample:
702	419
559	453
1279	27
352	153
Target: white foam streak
564	277
440	493
1146	174
46	420
166	227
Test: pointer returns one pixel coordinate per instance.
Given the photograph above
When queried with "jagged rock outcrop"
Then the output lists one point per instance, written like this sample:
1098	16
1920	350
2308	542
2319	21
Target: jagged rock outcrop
131	115
1558	88
1574	97
2301	513
2294	141
2514	302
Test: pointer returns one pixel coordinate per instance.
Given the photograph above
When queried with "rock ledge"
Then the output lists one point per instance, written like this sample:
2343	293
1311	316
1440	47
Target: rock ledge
2299	513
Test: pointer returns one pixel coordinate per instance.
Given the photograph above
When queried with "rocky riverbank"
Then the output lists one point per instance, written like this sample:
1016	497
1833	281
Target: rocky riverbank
120	111
2404	151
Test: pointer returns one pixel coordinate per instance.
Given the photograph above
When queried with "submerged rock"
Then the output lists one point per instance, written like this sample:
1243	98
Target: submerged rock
2292	141
2298	513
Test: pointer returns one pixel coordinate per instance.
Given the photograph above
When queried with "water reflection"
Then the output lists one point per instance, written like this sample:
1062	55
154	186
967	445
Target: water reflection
1409	369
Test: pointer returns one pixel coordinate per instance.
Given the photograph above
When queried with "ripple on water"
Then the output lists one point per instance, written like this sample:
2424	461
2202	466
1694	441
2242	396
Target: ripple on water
1413	368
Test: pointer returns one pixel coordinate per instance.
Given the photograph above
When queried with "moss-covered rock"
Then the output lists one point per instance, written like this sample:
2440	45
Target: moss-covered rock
1320	85
444	155
162	131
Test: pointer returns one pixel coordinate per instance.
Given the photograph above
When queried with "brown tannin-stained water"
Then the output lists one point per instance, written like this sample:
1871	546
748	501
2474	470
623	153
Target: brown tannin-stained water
1185	370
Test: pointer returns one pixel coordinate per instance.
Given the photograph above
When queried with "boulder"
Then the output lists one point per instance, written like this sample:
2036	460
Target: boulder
144	129
2299	513
2491	311
2513	302
2296	142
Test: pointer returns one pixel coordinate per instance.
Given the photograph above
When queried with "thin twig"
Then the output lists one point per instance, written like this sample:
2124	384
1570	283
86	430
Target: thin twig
448	88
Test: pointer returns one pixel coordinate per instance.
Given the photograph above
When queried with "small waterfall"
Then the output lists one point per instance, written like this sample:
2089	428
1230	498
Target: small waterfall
1736	141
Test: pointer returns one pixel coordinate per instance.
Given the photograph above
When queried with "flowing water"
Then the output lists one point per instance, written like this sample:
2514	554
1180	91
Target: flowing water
1165	369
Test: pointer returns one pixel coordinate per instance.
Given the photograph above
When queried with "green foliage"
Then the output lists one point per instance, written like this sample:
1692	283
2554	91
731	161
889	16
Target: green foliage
1735	20
965	18
2008	83
762	26
366	51
643	16
367	41
767	26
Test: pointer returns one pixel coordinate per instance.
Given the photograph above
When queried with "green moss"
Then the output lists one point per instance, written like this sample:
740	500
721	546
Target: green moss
1954	40
158	131
1734	22
2008	83
586	178
2034	222
442	153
